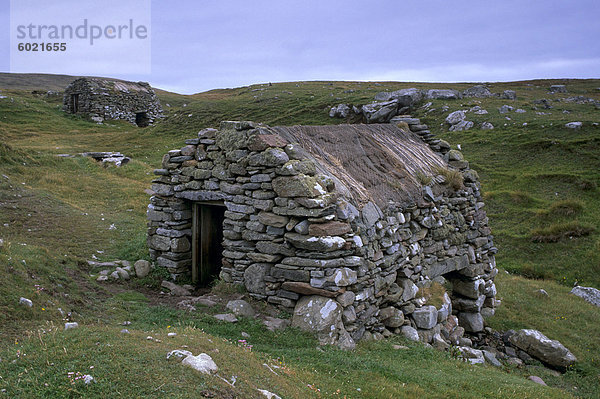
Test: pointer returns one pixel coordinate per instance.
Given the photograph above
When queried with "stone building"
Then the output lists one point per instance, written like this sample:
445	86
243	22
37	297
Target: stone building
103	99
360	230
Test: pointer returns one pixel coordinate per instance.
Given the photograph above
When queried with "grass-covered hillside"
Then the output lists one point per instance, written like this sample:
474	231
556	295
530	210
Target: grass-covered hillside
540	182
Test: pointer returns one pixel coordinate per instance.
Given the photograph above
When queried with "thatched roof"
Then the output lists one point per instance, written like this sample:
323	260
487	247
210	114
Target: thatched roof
378	162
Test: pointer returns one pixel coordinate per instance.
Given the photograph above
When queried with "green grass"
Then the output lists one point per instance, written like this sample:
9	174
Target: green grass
56	212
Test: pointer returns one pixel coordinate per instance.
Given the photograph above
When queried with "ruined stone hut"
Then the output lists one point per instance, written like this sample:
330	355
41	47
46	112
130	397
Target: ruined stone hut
103	99
352	227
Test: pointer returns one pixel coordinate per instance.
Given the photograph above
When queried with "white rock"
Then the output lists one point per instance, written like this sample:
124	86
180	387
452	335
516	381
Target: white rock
455	117
574	125
25	302
202	363
69	326
590	294
268	395
88	379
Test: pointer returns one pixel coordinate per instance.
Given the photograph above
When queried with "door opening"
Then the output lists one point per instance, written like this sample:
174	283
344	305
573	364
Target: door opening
74	103
141	119
207	242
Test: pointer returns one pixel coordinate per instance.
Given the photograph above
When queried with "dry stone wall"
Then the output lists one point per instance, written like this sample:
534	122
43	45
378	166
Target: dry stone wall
106	99
347	272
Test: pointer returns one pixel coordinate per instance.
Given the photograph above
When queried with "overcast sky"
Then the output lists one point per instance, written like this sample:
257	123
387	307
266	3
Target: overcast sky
200	45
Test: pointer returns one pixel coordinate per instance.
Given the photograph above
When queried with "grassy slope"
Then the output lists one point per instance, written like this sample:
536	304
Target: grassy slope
68	199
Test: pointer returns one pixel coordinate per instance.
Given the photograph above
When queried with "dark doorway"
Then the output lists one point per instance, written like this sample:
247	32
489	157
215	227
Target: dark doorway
74	103
207	246
141	119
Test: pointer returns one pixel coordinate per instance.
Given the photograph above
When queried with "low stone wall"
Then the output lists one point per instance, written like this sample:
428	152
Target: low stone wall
295	242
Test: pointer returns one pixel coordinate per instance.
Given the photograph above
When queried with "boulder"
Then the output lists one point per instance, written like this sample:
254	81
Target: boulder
590	294
25	302
443	94
557	89
505	108
478	91
319	315
455	117
574	125
471	322
541	347
410	333
509	95
380	112
460	126
69	326
175	289
339	111
226	317
473	356
425	317
142	268
405	97
202	363
239	307
254	278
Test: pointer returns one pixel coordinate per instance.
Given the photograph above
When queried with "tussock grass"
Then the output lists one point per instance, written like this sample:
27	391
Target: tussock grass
564	208
559	231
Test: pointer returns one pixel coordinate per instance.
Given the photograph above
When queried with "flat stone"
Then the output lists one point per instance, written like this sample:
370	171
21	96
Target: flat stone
325	244
549	351
239	307
226	317
306	289
333	228
69	326
590	294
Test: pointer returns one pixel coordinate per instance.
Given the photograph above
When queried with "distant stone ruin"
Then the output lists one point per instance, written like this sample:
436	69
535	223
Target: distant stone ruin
103	99
363	231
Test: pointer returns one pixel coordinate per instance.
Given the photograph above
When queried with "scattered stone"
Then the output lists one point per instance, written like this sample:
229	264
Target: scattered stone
590	294
473	356
487	126
124	331
509	95
542	292
557	89
71	325
339	111
505	108
443	94
115	158
490	357
175	289
142	268
541	347
25	302
520	111
455	117
478	91
481	112
380	112
202	363
460	126
537	380
268	395
241	308
273	323
122	273
226	317
574	125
